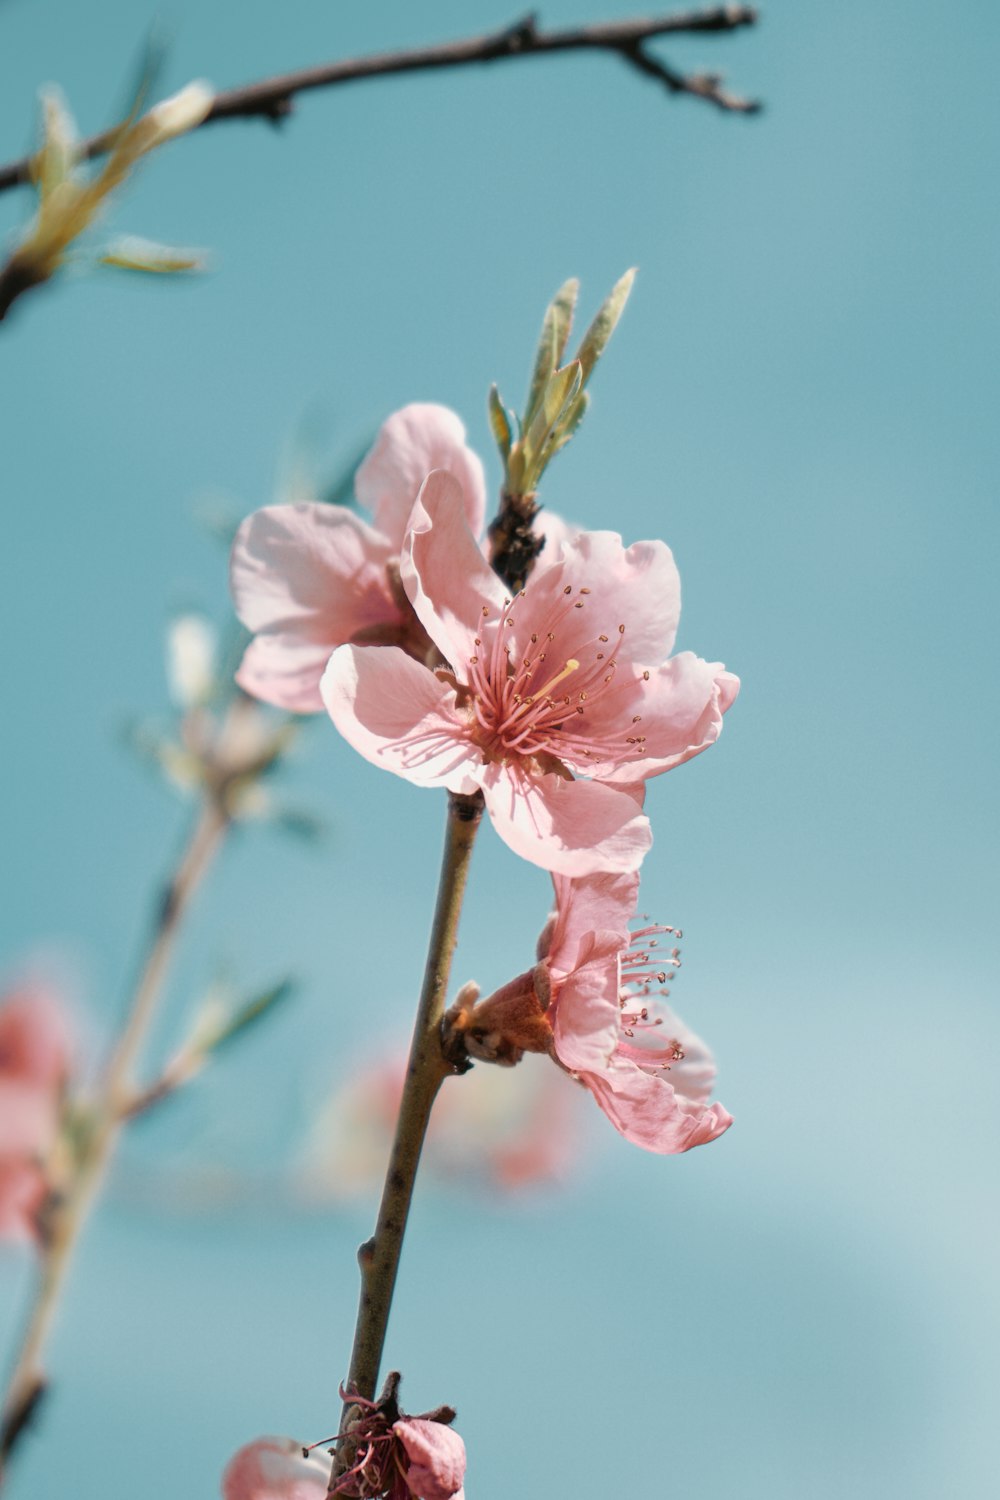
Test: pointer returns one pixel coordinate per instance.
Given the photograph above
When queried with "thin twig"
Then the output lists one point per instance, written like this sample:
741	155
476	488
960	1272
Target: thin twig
272	98
27	1381
426	1071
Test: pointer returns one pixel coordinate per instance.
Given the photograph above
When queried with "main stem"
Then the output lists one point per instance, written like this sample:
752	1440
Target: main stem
426	1071
27	1381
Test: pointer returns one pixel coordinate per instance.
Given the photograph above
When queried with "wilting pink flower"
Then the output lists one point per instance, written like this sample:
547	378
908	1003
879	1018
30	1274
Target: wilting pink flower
392	1457
308	577
399	1457
557	705
436	1454
275	1468
589	1003
35	1061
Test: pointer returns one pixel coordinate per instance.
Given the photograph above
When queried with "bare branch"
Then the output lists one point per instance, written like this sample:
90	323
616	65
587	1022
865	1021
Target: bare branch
272	98
707	86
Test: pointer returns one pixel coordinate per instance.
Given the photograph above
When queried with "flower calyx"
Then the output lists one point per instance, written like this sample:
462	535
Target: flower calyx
501	1028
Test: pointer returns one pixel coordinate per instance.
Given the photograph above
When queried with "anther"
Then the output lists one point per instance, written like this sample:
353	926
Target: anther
602	638
645	676
636	718
584	591
621	630
568	589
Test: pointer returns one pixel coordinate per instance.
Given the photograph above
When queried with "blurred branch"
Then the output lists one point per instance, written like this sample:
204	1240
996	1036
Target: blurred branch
27	1381
272	98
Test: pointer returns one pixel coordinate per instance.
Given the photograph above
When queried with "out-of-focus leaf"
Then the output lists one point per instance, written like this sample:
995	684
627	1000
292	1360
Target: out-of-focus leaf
226	1028
133	254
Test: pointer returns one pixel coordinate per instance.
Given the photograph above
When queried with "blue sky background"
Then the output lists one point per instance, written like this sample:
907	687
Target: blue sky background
801	401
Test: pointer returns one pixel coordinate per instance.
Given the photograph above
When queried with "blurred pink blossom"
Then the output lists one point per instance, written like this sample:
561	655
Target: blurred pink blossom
308	577
501	1133
36	1050
275	1468
567	681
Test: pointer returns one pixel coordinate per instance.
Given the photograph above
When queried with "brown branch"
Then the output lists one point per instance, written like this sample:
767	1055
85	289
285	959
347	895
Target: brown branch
426	1070
272	98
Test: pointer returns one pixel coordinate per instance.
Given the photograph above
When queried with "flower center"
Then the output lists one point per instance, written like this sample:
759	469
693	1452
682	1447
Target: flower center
541	700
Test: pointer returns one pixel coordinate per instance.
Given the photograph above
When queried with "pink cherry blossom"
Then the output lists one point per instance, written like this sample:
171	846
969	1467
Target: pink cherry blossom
308	577
35	1062
557	705
589	1004
275	1468
606	1029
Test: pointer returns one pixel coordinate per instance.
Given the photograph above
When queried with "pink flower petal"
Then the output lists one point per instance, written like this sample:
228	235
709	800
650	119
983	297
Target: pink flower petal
400	716
694	1076
569	827
583	907
36	1040
437	1458
308	575
555	533
22	1194
410	443
636	586
646	1110
586	1015
28	1117
680	712
274	1468
446	577
285	669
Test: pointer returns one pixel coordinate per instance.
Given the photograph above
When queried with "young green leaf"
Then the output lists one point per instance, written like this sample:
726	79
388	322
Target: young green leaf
596	338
